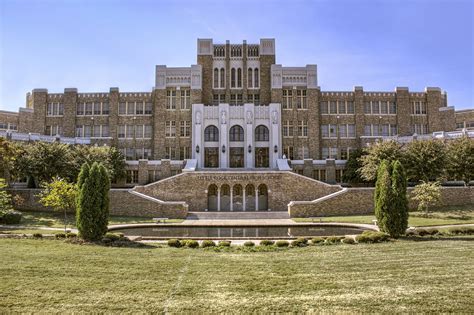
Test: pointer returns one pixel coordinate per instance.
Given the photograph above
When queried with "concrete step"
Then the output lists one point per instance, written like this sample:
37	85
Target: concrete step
240	215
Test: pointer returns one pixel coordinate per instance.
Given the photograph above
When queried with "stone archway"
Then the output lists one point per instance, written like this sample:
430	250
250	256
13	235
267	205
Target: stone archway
237	198
212	197
225	198
262	192
250	197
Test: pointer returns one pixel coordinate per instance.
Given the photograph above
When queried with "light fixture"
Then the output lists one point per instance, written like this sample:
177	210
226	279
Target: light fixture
197	149
275	149
223	148
250	148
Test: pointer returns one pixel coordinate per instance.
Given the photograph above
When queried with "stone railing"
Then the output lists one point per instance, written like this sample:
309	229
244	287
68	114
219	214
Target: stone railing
30	137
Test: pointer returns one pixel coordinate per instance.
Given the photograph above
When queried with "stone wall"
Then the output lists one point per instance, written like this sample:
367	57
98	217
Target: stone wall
358	201
122	202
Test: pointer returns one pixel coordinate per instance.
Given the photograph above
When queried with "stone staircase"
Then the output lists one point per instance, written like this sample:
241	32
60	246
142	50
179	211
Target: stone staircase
238	215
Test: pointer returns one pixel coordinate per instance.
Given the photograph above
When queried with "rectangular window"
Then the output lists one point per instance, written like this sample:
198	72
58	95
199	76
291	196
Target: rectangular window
383	107
254	98
301	99
367	130
122	108
323	107
130	108
184	153
105	108
343	131
302	128
303	152
121	131
89	106
170	153
185	99
96	131
138	131
129	132
148	131
375	107
87	131
218	98
185	128
333	107
170	99
79	131
288	128
325	131
339	175
393	130
132	175
287	99
97	108
419	108
148	108
385	130
333	153
319	175
341	107
170	130
350	107
140	108
325	153
288	152
80	109
367	108
105	130
344	153
351	131
48	130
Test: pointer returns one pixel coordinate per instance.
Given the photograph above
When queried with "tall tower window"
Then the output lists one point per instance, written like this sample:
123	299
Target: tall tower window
232	78
256	83
239	77
250	78
222	78
216	78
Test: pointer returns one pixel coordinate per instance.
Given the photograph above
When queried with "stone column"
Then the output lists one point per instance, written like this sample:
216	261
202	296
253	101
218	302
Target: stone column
219	198
142	172
256	198
231	199
243	198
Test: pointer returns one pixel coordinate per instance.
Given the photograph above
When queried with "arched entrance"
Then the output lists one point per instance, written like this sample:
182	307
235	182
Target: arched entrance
225	198
262	197
237	198
211	150
250	197
236	152
212	198
262	152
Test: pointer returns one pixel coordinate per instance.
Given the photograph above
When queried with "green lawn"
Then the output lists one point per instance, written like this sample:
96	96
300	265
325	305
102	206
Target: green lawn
403	276
441	216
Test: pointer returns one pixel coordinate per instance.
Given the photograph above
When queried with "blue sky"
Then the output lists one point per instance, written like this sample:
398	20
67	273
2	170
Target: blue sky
94	45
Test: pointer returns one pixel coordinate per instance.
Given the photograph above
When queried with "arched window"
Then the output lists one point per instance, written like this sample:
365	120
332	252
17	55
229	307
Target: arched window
239	77
232	78
255	82
249	78
216	78
236	133
222	78
211	134
262	133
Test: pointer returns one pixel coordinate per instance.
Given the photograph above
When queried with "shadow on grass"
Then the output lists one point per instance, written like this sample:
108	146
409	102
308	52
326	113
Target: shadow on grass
125	243
437	238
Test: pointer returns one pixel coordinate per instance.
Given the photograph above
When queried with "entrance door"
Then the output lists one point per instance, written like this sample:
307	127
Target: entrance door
236	157
262	157
211	157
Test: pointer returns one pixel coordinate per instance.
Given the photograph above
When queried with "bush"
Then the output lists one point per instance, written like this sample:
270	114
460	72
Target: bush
422	232
10	217
334	239
282	243
60	235
112	236
224	243
372	237
266	243
191	244
433	231
71	235
37	235
208	243
174	243
299	242
249	244
318	240
461	230
348	240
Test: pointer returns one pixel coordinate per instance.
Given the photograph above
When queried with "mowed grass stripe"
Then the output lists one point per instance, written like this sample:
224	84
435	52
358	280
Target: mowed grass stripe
403	276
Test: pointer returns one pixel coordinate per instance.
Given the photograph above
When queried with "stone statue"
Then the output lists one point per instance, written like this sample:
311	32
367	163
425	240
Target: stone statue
274	117
223	117
198	118
249	117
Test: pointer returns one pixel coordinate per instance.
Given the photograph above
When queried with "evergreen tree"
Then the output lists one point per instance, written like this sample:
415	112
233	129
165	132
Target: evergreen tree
90	202
104	191
399	210
83	174
383	195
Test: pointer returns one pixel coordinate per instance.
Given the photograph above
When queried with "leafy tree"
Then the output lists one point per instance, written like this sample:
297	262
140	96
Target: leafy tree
399	213
425	160
460	159
60	195
9	151
383	195
427	194
5	198
375	154
351	173
91	200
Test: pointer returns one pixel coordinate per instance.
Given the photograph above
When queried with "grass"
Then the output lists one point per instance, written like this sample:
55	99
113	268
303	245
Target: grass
440	216
403	276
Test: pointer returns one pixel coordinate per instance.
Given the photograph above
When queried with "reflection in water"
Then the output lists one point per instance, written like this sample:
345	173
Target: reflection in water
239	232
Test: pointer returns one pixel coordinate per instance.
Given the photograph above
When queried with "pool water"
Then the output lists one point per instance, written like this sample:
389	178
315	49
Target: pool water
254	232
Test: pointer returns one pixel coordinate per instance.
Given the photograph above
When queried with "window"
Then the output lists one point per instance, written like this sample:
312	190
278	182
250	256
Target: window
383	108
184	153
216	78
262	133
419	108
3	125
367	108
351	131
328	131
301	99
329	153
347	131
303	152
132	176
222	78
332	107
323	107
170	153
87	131
148	131
341	107
256	78
287	99
170	128
239	77
380	130
460	125
250	78
185	99
302	128
288	152
185	128
97	108
236	99
153	175
139	109
148	108
80	109
13	127
254	98
236	133
211	134
122	108
392	107
339	175
105	130
105	108
170	99
287	128
419	129
232	78
121	132
129	132
218	98
350	107
319	175
130	108
55	109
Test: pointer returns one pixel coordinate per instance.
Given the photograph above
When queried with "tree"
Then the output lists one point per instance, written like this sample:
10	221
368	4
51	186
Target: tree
351	173
383	195
9	151
425	160
60	195
375	154
427	194
5	198
399	213
460	159
92	202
